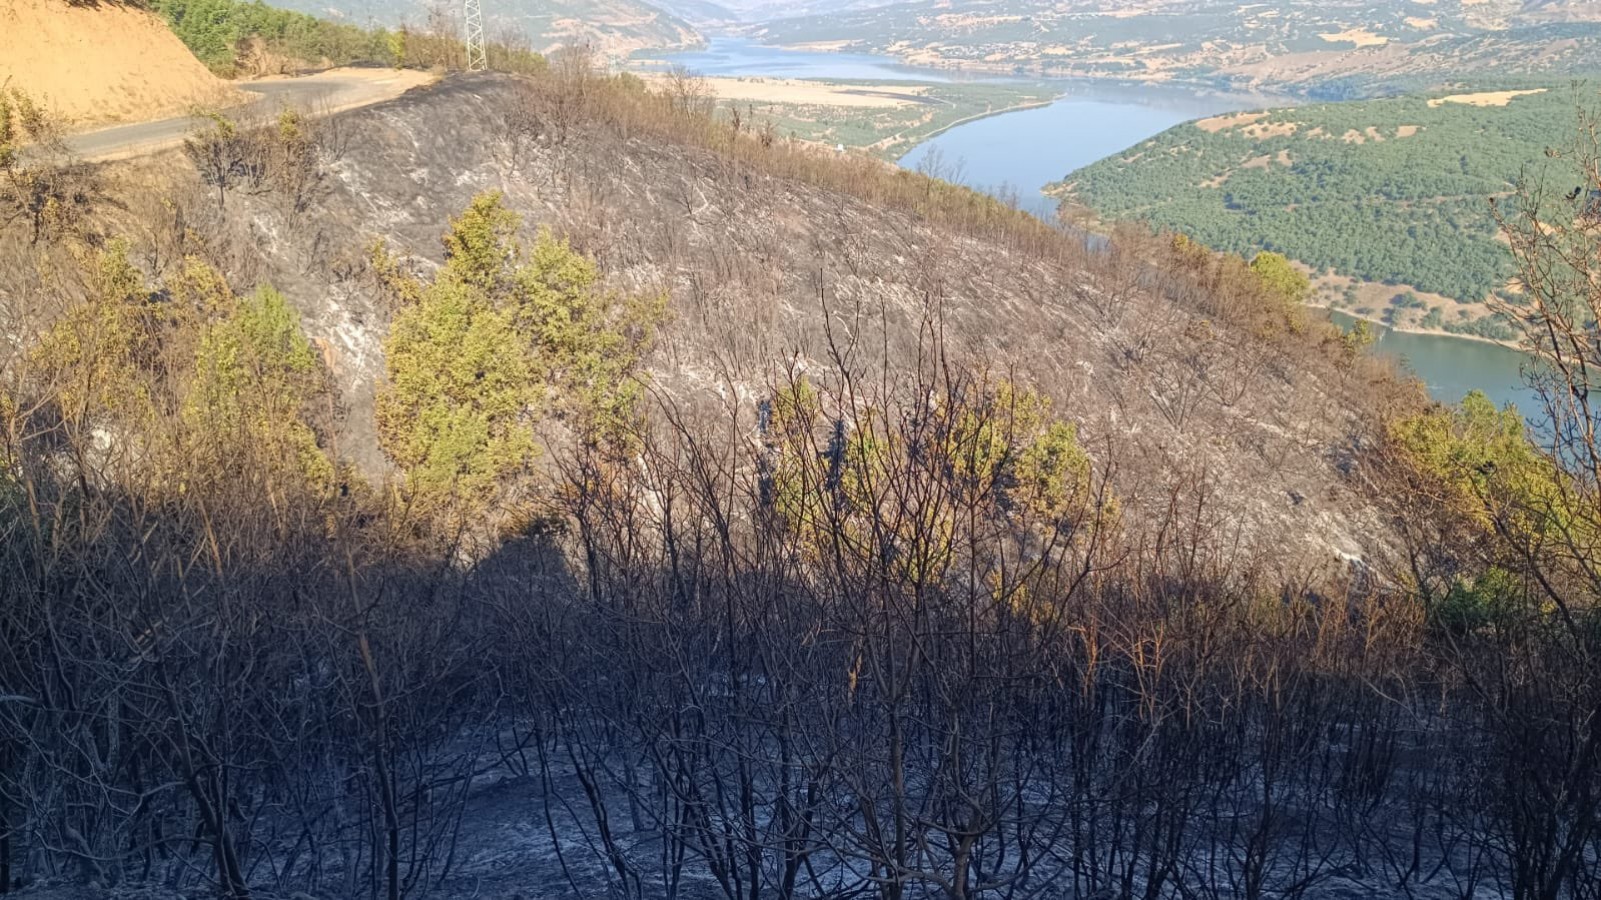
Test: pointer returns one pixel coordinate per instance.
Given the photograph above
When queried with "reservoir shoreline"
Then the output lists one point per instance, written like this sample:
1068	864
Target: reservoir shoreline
978	117
1424	332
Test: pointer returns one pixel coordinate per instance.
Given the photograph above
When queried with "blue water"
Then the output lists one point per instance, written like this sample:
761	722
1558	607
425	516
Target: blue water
1451	367
1030	148
1025	150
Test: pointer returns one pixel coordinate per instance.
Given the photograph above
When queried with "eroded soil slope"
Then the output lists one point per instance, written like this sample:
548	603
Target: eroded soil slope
101	62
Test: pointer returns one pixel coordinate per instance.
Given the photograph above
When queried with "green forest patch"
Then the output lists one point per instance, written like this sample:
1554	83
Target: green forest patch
1393	191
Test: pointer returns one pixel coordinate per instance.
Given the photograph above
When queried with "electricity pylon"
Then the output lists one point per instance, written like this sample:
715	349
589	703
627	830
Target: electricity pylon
477	56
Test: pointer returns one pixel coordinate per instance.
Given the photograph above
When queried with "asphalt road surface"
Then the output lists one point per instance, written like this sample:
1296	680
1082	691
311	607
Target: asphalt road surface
327	92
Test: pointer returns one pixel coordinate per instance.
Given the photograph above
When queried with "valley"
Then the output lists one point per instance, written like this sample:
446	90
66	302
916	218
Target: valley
1418	253
859	102
1006	133
1012	133
1119	141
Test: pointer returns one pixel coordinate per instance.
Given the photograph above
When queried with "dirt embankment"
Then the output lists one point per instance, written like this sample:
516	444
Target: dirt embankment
101	62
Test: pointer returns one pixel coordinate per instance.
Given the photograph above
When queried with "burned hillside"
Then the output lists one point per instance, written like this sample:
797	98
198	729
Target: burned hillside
544	487
1183	376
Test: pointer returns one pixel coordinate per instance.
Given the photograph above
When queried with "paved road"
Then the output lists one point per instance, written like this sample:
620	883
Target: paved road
326	92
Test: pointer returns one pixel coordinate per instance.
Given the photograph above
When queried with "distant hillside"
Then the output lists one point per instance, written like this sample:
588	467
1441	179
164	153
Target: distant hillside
235	37
613	27
1562	10
700	12
100	63
1390	191
731	11
1331	49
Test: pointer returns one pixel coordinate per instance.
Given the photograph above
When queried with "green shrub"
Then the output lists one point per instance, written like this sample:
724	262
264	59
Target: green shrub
504	335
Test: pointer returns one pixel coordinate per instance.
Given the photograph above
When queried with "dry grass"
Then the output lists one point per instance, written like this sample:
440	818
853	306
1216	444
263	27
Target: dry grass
1216	124
1262	131
809	93
619	103
1361	37
1487	98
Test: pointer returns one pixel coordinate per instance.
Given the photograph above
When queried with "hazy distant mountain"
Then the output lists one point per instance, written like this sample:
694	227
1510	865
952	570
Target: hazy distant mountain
1561	10
751	11
704	12
612	26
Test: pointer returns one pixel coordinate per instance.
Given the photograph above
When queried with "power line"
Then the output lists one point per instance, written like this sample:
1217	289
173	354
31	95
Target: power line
477	54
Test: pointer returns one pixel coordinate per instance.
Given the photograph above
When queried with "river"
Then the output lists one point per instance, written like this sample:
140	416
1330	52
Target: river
1030	148
1451	367
1027	149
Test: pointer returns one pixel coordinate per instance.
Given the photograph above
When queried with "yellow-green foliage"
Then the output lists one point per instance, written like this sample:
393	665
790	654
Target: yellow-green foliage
91	359
395	44
991	458
796	408
456	411
196	383
255	375
45	189
1282	286
1281	278
20	119
1358	338
1010	444
1488	600
1479	462
292	128
9	142
587	340
295	149
822	471
1053	472
1267	294
1189	250
503	334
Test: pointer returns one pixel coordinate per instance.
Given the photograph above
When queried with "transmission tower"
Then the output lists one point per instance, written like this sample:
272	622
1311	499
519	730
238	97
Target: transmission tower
477	56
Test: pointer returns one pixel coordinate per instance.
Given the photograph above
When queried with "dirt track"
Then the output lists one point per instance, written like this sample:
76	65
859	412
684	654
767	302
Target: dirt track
325	92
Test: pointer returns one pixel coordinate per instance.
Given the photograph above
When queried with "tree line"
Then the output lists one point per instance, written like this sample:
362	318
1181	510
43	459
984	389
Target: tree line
1392	190
239	36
